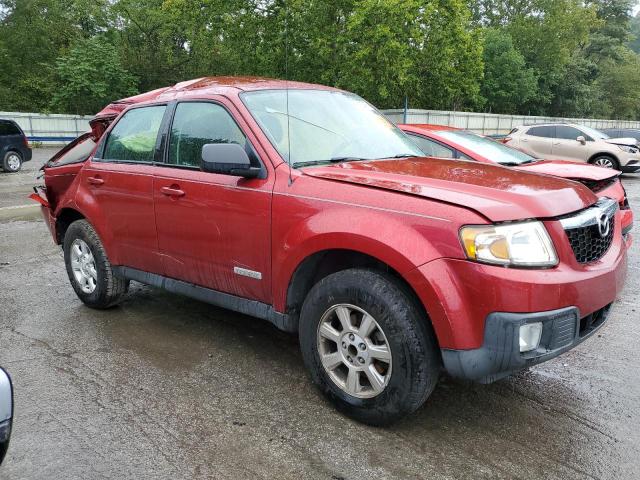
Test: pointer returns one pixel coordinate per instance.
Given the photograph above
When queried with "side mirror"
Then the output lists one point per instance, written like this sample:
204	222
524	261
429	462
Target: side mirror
582	140
228	159
6	412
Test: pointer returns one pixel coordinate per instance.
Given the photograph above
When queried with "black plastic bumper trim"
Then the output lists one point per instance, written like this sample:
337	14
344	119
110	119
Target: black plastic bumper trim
500	354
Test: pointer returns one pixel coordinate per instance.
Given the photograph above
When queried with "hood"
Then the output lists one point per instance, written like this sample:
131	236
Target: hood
623	141
571	170
498	193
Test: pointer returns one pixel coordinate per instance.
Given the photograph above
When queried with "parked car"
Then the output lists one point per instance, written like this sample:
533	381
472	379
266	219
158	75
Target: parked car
622	133
448	142
302	205
14	146
576	142
6	412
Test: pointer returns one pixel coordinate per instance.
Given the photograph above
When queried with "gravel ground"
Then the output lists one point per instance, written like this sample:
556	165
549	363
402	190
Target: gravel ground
167	387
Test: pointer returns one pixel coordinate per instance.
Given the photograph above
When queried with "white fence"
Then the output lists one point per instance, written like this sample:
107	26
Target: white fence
491	123
49	129
61	129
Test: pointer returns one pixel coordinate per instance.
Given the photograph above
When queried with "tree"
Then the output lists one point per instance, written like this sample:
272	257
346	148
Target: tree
508	83
33	34
90	76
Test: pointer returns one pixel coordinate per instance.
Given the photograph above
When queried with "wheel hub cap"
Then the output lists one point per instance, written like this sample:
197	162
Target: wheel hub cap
354	351
14	162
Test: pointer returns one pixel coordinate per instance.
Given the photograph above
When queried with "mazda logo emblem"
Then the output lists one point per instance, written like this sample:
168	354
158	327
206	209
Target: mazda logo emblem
604	225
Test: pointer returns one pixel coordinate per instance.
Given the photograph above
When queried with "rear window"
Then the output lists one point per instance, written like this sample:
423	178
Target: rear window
546	132
9	128
133	138
76	152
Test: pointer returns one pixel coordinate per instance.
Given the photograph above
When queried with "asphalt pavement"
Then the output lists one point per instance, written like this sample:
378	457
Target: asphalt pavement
165	387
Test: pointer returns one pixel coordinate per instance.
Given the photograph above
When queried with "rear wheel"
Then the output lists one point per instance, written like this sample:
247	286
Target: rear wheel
89	269
12	162
368	346
605	161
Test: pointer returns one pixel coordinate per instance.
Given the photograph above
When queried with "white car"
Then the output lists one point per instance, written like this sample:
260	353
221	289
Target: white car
576	142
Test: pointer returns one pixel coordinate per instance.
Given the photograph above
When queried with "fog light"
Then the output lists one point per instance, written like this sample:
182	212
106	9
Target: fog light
530	334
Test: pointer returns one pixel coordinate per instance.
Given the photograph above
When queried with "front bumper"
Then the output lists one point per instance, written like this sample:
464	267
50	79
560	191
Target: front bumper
500	354
631	167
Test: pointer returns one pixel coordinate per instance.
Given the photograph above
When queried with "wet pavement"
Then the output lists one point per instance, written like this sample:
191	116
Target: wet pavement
167	387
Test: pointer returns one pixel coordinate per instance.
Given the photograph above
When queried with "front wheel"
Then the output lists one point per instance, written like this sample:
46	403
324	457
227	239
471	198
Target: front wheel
12	162
89	269
368	346
606	161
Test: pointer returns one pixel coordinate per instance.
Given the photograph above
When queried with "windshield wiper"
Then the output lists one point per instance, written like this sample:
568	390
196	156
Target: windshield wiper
404	155
330	160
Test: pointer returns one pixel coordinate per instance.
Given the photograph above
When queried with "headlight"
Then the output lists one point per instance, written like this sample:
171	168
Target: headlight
628	148
525	244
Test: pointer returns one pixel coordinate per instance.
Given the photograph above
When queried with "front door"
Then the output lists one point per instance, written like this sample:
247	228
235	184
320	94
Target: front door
213	230
120	183
567	147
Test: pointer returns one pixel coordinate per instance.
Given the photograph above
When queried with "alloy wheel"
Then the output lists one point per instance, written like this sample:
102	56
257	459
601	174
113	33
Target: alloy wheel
83	266
354	351
603	162
13	162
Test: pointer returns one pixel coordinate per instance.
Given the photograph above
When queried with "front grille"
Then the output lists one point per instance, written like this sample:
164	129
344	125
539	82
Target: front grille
590	232
597	185
587	244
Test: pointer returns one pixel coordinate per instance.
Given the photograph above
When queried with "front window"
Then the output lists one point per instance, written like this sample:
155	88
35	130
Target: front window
595	134
197	124
490	149
326	126
431	148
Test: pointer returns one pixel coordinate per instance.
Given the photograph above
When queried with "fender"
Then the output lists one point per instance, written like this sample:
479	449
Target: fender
401	245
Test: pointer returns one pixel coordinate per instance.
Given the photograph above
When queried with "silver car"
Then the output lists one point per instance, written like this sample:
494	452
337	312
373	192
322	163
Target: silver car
577	143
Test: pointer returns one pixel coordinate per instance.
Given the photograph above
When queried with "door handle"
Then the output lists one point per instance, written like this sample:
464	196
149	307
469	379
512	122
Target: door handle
173	191
95	181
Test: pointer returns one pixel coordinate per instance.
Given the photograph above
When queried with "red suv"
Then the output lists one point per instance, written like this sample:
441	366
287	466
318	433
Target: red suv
302	205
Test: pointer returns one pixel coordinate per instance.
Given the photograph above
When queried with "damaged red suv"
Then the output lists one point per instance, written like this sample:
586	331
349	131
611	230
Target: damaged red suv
302	205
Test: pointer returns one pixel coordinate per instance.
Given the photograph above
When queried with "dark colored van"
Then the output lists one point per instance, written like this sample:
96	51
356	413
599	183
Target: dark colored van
14	146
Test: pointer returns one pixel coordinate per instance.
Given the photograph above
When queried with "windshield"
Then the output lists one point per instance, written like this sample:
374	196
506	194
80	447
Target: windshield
490	149
593	133
326	126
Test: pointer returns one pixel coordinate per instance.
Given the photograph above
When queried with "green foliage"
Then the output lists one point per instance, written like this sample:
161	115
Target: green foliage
90	75
558	57
508	83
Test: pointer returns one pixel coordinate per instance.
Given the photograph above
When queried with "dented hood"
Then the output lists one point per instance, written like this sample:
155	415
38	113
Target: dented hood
623	141
498	193
563	169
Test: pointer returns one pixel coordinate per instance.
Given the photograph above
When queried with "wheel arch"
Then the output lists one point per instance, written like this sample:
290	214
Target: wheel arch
66	217
323	263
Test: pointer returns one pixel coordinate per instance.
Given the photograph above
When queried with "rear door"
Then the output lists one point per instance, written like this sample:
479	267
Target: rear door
117	186
536	141
567	147
213	229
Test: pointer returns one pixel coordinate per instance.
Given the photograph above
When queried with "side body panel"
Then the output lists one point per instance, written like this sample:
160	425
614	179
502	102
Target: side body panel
117	198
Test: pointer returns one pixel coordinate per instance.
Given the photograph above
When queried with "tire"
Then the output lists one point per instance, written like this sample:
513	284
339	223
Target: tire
405	382
85	258
605	161
12	162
